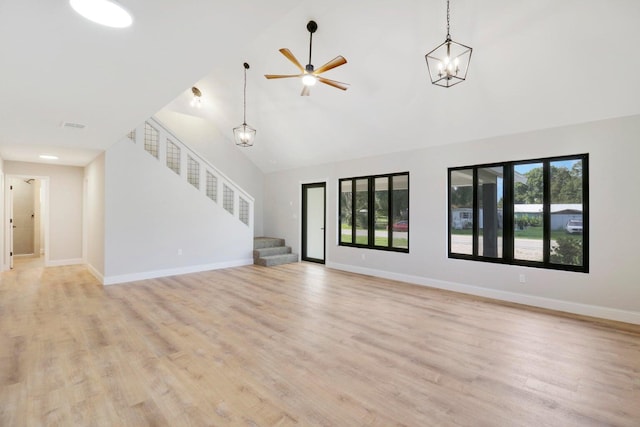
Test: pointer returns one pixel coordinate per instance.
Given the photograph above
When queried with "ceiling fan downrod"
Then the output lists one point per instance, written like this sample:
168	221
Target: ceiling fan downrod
312	26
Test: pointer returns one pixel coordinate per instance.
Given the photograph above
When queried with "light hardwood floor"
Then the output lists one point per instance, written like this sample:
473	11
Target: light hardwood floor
304	345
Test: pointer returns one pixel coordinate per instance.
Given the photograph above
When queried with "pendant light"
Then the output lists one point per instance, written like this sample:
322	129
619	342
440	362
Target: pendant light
448	63
244	134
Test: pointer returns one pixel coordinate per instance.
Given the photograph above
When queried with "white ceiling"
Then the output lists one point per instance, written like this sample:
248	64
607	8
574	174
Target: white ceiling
536	64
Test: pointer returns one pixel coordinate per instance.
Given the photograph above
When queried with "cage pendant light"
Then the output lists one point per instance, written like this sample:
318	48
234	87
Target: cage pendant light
448	63
244	134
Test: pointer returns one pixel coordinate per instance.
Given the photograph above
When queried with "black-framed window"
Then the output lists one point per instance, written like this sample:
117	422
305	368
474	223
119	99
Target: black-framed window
374	212
531	212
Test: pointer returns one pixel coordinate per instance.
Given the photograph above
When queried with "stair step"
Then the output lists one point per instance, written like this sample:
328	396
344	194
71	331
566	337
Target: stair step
276	250
267	242
272	260
270	251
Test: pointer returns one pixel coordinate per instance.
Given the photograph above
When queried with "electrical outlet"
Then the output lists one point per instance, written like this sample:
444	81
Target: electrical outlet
363	256
179	251
523	279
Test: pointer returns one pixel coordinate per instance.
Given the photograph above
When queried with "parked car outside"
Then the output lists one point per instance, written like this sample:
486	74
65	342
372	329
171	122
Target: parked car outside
574	226
402	225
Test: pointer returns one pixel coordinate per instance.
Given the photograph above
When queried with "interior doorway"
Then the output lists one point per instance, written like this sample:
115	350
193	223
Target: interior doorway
26	237
313	222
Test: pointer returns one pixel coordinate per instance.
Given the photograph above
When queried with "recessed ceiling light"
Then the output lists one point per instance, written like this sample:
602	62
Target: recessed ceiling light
104	12
48	157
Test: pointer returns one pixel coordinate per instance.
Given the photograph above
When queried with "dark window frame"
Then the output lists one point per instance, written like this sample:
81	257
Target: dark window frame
508	214
371	212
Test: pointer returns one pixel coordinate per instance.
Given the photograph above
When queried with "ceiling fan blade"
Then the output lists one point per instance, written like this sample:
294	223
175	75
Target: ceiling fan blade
281	76
335	62
286	52
339	85
305	91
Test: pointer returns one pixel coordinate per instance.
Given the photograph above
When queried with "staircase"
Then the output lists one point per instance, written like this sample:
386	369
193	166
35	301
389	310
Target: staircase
189	166
270	251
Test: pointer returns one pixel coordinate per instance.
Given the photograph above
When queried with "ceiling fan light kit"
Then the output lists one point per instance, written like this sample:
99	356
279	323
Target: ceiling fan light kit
449	62
309	80
308	74
244	134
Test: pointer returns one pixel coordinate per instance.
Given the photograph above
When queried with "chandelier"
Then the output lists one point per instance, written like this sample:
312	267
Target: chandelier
449	62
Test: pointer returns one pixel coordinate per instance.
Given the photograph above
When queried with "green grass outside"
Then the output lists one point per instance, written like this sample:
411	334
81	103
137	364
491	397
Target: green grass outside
528	233
379	241
383	241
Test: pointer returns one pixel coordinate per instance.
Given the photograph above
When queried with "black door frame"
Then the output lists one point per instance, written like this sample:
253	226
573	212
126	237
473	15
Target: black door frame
322	185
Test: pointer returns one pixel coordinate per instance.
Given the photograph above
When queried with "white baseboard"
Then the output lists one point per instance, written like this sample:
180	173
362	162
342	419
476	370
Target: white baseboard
532	300
95	273
133	277
61	262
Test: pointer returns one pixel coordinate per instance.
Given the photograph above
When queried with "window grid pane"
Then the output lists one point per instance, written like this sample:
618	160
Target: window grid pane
151	140
244	211
362	211
346	217
173	157
528	215
381	211
193	172
566	213
132	135
461	222
489	195
212	186
227	198
400	214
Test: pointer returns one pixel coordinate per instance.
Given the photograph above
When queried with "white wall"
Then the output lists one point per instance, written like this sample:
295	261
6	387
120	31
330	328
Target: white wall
611	288
2	215
65	207
94	215
205	139
152	213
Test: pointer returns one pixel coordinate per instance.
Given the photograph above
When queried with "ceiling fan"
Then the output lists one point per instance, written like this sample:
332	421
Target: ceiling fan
308	74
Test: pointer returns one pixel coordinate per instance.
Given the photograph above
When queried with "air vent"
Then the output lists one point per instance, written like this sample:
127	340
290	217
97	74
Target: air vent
71	125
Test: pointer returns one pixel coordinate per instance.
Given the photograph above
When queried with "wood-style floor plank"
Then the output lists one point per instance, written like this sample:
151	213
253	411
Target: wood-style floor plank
300	345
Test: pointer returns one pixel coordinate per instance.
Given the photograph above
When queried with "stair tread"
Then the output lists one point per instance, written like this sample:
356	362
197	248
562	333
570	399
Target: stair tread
267	242
279	256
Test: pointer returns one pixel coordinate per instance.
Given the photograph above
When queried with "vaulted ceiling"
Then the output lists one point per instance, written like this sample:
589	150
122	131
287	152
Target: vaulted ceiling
536	64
